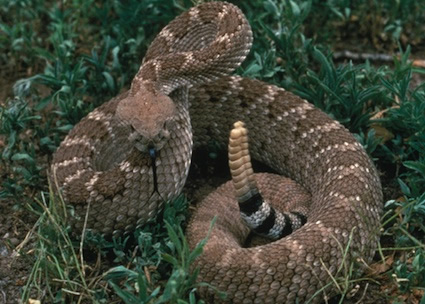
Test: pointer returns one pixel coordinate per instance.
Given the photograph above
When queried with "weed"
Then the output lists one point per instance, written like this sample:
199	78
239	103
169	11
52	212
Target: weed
181	282
67	270
74	55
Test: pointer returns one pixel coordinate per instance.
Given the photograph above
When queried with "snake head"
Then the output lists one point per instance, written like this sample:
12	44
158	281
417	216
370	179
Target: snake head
149	116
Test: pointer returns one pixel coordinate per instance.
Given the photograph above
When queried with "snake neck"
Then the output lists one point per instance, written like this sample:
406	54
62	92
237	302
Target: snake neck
185	52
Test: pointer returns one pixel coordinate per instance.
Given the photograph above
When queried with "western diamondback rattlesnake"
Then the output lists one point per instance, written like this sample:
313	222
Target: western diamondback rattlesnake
127	157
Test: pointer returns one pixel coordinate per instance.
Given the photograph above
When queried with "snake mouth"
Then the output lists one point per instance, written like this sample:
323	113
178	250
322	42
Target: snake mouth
145	141
148	146
141	146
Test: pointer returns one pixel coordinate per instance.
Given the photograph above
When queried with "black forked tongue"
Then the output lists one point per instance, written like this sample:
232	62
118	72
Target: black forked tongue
152	155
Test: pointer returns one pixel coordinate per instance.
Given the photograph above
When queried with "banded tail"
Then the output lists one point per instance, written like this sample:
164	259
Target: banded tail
257	213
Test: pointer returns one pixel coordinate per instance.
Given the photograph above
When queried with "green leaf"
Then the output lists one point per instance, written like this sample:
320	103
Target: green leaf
109	81
295	8
174	237
404	188
416	166
23	156
271	8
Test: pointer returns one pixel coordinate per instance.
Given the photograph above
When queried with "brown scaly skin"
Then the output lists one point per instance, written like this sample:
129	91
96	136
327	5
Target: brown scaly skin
104	167
301	142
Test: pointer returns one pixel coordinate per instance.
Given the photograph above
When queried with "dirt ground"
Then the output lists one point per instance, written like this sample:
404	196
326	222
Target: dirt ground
14	267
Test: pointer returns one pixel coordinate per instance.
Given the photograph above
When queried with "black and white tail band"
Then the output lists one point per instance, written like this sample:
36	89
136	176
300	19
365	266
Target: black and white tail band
257	213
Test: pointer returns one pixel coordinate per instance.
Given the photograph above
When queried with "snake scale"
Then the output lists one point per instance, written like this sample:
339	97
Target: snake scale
130	155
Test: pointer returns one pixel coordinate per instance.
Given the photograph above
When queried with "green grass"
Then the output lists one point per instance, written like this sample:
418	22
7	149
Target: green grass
155	269
67	57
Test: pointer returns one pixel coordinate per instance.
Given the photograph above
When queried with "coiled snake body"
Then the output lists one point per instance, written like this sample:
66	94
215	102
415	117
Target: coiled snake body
127	157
